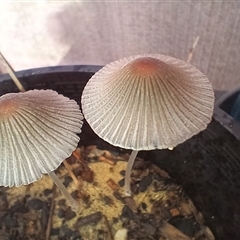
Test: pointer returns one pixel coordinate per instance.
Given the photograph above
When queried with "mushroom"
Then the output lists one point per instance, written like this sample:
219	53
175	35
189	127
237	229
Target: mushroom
145	102
37	132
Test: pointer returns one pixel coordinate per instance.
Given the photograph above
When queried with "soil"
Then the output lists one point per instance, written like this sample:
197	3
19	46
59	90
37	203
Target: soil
158	209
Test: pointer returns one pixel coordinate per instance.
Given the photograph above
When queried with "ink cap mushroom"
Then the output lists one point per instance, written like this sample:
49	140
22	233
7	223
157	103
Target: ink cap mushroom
146	102
38	131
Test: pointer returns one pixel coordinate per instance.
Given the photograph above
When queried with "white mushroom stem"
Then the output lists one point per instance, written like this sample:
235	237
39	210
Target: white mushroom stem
127	184
64	191
11	73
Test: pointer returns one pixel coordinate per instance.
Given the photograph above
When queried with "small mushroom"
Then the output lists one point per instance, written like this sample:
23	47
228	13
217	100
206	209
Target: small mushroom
146	102
38	130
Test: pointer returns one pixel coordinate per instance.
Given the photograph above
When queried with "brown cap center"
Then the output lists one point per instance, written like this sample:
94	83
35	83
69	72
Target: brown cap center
147	65
7	106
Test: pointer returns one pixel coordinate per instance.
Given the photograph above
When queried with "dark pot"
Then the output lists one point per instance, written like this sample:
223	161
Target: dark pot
207	165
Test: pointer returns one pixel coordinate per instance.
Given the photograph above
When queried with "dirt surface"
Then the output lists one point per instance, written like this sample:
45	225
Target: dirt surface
158	209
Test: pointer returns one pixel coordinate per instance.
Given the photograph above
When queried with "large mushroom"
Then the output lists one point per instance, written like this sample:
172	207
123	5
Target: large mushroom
146	102
38	130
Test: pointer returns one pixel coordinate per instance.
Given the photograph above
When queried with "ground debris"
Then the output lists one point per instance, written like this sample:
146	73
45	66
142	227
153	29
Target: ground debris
171	233
90	219
157	210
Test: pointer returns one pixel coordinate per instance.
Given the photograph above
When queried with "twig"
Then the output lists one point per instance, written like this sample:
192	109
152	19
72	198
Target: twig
69	169
74	168
172	233
107	160
192	49
112	185
159	171
130	202
110	236
11	73
77	155
49	226
89	219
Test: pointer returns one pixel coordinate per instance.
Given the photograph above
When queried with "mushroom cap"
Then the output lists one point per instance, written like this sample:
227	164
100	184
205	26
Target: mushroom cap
37	132
149	101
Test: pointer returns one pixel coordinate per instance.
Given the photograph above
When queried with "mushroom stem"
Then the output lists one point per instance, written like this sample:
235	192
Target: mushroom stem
127	184
192	49
64	191
11	73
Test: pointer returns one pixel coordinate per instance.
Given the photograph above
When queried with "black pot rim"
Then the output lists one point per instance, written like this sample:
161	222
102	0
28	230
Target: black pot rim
52	69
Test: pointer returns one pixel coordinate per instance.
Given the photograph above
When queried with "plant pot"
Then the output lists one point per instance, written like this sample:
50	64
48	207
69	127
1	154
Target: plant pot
207	165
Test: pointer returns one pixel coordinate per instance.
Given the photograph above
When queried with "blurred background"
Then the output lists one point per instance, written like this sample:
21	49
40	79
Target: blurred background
47	33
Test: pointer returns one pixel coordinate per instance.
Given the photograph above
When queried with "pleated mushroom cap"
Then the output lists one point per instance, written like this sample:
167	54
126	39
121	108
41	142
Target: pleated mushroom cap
148	102
37	132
